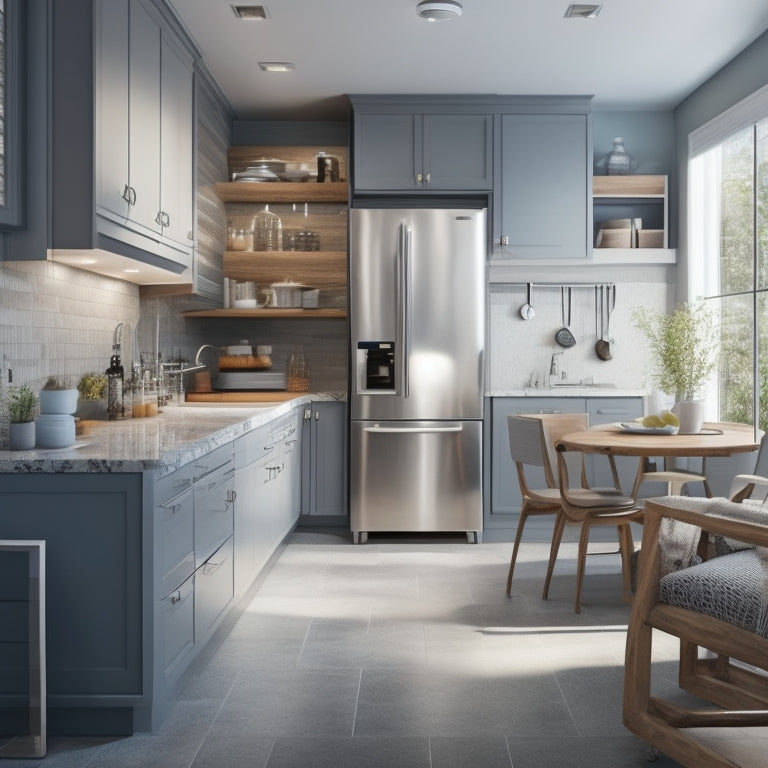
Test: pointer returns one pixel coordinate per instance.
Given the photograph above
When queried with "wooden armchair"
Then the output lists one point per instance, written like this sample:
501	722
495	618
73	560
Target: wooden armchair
720	605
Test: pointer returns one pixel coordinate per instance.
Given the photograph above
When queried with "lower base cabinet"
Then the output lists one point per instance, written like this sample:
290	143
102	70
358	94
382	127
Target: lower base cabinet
324	463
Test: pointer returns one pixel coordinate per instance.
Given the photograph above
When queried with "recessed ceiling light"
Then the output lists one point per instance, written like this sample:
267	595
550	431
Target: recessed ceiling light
277	66
439	11
575	11
250	12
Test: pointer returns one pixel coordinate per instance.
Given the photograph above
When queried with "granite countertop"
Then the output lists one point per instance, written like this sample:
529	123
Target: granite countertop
164	442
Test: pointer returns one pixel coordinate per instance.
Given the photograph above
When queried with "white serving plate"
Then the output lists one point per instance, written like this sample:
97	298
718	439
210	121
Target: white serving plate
639	429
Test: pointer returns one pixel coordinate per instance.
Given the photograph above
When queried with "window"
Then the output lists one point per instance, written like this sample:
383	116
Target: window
728	251
11	118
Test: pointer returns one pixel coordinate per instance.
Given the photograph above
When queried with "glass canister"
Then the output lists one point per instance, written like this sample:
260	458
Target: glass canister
618	161
298	371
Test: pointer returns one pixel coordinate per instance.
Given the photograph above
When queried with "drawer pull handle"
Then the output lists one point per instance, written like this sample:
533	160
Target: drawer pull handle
176	597
210	568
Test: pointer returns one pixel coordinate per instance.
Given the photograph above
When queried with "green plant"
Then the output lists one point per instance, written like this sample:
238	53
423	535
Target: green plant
20	403
684	345
92	386
56	382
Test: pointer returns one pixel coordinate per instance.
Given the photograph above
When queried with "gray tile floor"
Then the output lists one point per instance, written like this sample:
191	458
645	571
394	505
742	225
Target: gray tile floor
403	653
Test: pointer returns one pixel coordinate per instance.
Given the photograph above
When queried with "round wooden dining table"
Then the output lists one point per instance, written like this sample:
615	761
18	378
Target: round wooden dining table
715	439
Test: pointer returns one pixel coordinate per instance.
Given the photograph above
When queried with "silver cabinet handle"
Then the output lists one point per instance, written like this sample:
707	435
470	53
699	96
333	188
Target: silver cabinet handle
176	597
429	177
129	195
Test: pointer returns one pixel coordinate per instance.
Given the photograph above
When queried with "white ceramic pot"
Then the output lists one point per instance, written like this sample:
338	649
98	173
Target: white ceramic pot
55	430
690	414
21	435
58	400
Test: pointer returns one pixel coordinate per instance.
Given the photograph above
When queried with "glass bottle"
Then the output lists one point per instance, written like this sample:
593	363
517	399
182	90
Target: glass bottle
618	160
298	371
115	378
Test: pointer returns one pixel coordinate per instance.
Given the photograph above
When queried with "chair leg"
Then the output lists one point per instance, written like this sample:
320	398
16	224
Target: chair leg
582	561
626	547
518	537
557	535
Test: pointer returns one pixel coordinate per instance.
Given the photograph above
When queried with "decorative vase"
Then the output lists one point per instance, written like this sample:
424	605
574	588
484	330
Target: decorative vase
55	430
58	401
21	435
690	414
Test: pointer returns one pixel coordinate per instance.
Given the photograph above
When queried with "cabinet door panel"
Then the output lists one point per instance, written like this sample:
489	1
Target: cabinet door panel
144	117
329	441
608	411
543	190
176	145
111	104
458	151
387	152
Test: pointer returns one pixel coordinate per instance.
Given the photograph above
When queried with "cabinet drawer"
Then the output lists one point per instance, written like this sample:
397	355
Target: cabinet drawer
215	461
214	515
174	524
177	624
214	588
174	484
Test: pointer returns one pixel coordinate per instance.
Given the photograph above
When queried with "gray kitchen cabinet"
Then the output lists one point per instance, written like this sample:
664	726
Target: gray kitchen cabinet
267	494
324	462
542	187
97	600
143	132
407	151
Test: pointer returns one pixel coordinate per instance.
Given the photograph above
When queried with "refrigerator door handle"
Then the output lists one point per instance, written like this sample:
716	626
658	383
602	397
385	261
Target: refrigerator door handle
404	303
411	430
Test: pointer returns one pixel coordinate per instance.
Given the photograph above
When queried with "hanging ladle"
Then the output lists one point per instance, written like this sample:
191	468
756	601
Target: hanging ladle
603	346
526	311
563	336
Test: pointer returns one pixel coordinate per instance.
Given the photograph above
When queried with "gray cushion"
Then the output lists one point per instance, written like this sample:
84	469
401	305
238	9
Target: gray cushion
733	588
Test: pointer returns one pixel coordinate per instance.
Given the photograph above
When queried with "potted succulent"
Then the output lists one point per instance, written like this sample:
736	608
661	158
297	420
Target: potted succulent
58	397
684	345
92	403
21	405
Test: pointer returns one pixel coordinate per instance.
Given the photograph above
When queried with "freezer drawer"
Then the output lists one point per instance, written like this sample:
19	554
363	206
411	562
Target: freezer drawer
415	476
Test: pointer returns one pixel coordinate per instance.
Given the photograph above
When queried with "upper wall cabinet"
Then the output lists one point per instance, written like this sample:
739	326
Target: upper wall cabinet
404	147
143	132
542	186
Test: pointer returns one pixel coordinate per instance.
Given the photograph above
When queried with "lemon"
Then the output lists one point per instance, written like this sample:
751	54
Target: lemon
653	420
670	419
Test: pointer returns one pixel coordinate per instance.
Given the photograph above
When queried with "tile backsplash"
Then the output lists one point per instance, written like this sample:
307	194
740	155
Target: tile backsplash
56	320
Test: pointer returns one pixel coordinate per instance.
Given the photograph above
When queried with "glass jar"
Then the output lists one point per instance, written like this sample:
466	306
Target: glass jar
618	161
298	371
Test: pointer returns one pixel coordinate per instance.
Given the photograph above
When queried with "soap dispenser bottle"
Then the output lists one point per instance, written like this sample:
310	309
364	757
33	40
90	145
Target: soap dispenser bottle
115	378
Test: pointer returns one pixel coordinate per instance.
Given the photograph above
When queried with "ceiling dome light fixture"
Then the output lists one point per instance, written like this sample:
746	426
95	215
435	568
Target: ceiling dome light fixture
439	11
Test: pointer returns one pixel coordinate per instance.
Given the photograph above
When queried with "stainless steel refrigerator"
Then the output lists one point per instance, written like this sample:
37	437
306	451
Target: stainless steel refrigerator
417	320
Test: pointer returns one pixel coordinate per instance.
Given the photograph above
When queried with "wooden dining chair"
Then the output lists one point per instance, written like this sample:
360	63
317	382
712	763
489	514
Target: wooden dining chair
587	508
753	488
532	439
718	605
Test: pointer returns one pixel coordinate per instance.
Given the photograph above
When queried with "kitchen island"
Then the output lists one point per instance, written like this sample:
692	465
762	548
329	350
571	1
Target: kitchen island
155	530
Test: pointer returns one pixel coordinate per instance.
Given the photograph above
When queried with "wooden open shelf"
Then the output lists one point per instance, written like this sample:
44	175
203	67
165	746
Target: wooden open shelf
640	185
320	269
281	192
269	312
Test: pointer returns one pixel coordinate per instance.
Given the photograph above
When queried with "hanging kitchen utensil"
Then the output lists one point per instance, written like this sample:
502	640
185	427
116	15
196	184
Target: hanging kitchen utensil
526	311
563	336
603	347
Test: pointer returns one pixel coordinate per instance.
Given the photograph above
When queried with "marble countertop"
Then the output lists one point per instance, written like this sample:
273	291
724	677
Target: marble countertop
164	442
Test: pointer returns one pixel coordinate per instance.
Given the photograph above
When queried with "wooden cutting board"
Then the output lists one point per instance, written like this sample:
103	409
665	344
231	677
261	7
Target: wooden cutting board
241	397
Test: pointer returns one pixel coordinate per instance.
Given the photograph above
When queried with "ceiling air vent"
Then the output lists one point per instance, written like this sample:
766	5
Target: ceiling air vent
575	11
250	12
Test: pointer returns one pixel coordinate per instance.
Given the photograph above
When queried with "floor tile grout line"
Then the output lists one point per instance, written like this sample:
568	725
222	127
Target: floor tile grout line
357	700
565	702
215	719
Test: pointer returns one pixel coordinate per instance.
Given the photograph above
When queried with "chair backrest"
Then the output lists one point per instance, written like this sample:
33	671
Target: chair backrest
761	465
533	436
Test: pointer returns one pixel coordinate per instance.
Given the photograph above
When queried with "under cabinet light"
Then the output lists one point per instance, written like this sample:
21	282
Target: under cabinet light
250	12
575	11
277	66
